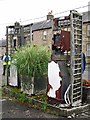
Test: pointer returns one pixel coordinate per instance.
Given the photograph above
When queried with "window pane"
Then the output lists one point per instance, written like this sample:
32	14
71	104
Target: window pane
88	50
88	30
88	27
88	46
44	35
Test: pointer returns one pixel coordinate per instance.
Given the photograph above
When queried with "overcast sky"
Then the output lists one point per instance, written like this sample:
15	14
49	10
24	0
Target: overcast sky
25	11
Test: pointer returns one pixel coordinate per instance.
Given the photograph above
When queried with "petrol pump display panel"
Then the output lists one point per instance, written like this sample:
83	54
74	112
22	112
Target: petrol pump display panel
57	39
61	41
65	35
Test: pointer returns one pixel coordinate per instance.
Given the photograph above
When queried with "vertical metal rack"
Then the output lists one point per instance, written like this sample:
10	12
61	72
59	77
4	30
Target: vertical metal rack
73	24
76	58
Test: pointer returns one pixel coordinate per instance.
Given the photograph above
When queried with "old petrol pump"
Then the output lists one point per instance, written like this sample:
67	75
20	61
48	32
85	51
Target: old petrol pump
67	48
14	40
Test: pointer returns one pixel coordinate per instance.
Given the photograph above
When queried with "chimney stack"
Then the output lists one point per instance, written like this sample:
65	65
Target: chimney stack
50	16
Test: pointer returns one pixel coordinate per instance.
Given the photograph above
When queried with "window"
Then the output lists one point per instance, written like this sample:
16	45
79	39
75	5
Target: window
14	43
44	35
57	39
88	49
88	30
32	36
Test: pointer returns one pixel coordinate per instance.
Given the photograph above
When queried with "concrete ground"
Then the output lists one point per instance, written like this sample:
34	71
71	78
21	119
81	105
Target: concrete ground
12	109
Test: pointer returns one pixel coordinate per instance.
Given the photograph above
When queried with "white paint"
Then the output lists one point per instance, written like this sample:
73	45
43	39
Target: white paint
53	78
13	81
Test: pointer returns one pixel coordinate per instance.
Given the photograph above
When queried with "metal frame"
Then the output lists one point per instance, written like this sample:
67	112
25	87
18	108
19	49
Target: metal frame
76	58
74	22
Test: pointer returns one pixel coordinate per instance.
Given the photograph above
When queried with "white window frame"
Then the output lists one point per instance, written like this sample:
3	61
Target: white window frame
88	49
44	35
88	30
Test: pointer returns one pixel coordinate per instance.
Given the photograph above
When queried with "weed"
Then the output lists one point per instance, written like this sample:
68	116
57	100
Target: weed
44	103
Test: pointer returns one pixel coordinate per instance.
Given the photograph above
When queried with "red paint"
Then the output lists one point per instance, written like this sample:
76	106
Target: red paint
62	40
65	35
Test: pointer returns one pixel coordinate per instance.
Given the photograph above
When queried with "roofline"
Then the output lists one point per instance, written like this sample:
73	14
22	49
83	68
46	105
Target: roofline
42	29
27	25
86	22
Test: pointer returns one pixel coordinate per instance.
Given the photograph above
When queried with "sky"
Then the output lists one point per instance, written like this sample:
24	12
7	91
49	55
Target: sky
26	11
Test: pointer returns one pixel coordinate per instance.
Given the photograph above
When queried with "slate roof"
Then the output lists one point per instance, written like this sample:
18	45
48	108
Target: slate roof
86	17
2	43
41	25
46	24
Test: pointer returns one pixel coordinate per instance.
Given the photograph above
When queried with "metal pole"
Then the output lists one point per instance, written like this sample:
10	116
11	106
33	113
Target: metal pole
22	36
72	54
31	32
52	32
7	54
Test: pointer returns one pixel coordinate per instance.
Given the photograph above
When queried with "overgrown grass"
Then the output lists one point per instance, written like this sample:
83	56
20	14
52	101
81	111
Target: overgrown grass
32	61
24	98
0	93
41	100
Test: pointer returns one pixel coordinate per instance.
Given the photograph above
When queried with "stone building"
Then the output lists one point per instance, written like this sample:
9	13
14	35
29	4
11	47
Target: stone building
40	33
86	43
2	47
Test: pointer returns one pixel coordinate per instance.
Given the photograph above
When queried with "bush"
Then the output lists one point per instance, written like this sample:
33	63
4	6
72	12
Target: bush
32	61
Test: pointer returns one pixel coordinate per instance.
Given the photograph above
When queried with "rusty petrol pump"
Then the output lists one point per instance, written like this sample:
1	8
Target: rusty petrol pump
67	50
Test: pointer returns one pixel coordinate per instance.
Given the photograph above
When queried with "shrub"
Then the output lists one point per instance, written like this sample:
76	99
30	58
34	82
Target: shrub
32	61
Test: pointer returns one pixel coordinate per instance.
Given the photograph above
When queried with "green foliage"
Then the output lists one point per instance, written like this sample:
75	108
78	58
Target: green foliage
44	104
30	100
0	93
22	98
14	92
32	61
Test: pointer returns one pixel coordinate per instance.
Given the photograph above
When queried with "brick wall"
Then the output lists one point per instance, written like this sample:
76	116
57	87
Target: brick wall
2	51
38	37
85	41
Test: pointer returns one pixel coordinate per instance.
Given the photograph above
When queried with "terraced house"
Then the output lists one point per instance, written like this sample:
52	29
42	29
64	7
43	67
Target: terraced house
2	47
86	43
40	33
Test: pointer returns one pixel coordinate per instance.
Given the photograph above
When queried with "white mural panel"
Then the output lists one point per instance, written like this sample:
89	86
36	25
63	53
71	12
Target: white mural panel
53	78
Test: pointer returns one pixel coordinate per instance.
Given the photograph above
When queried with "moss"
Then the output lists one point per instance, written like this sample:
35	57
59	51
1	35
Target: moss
0	93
